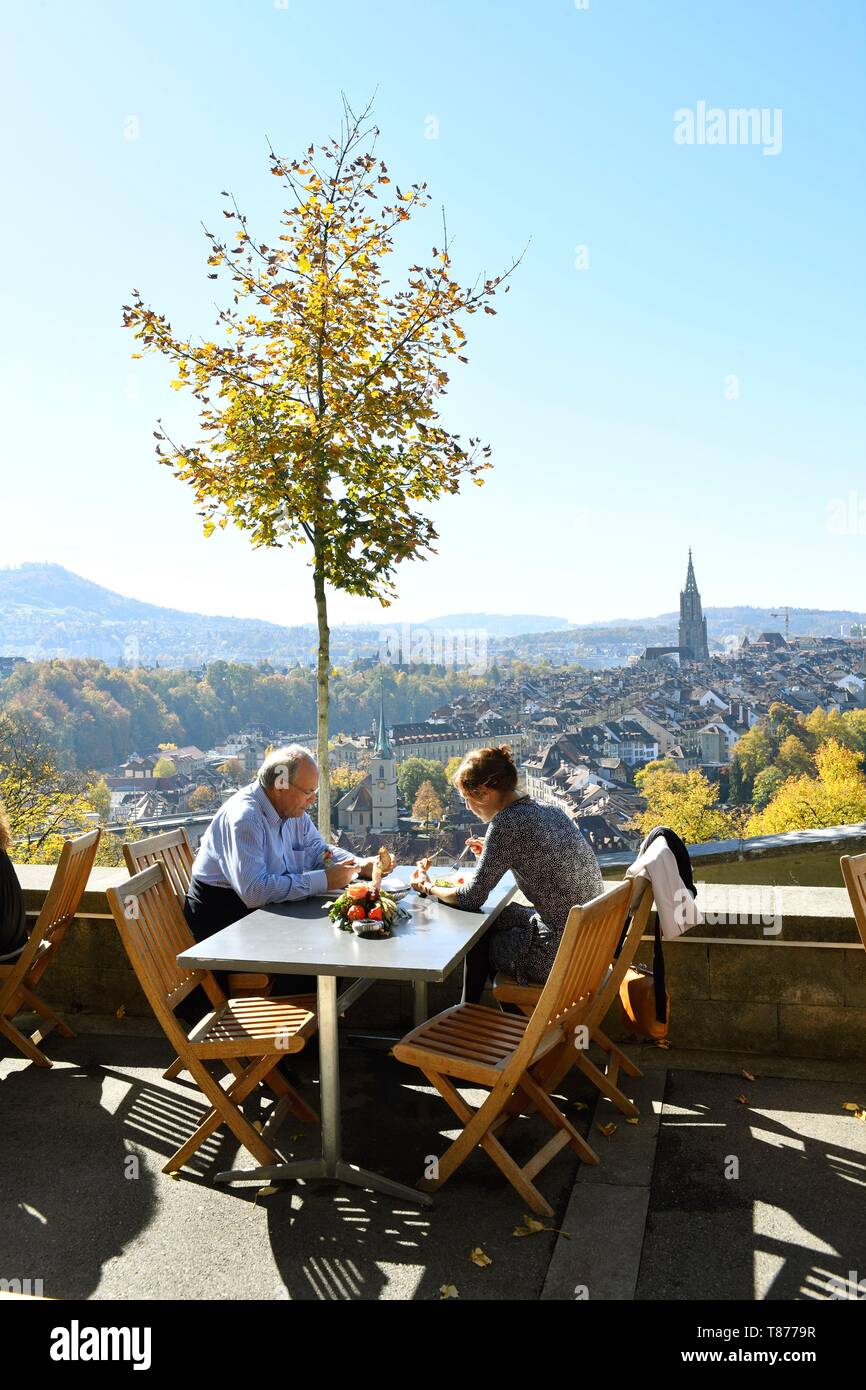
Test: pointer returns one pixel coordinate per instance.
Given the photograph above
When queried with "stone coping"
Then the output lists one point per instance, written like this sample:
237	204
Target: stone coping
750	912
849	839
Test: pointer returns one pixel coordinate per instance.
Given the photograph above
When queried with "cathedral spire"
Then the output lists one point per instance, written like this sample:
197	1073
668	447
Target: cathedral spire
383	747
693	625
691	582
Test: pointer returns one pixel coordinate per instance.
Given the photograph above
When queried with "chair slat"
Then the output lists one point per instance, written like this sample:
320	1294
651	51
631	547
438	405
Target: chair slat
249	1035
18	980
472	1043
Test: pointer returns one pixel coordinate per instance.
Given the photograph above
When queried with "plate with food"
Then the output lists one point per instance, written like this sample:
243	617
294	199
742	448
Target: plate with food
381	877
366	909
435	877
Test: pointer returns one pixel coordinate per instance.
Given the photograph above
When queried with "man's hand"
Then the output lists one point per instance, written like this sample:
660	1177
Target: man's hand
340	875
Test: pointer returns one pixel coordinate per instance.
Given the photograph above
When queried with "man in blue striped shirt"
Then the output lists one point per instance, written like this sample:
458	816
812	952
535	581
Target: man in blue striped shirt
262	847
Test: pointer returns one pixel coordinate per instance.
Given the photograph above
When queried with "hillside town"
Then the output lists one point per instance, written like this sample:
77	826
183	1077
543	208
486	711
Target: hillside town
579	737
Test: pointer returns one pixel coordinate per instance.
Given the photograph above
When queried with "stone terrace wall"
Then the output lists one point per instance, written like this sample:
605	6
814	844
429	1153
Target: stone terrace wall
736	984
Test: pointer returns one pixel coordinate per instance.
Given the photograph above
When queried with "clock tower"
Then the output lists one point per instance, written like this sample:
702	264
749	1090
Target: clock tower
383	778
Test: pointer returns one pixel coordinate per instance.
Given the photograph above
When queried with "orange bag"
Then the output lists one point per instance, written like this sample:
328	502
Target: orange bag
637	995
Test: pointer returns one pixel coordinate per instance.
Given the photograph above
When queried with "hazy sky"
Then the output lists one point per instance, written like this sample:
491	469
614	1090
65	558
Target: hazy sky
699	382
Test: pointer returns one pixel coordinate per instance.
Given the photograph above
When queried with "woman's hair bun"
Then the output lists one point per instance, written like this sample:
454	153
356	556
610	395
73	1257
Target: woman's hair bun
487	767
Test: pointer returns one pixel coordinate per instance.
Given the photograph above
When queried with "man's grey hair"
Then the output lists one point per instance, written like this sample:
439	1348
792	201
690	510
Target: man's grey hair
280	765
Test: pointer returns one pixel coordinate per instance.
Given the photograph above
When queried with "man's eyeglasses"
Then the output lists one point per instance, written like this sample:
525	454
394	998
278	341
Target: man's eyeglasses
304	791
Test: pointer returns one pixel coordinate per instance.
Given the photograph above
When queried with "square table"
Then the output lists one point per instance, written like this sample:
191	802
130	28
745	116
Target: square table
299	938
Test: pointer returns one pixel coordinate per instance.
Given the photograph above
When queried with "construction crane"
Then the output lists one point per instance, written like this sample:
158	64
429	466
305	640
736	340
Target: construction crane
786	614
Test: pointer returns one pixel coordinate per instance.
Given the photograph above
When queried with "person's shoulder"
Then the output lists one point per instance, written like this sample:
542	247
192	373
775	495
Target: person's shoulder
242	805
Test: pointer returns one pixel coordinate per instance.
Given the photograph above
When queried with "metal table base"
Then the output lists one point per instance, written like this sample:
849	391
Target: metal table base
332	1166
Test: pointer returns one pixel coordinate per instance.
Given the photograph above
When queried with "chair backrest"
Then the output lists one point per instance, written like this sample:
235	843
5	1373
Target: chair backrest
60	906
854	874
640	907
588	946
172	849
153	930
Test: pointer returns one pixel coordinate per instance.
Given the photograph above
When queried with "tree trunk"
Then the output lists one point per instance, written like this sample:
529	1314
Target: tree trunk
323	669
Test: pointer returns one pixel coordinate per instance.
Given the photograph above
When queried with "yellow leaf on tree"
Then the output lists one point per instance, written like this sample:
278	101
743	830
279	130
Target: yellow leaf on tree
303	263
176	384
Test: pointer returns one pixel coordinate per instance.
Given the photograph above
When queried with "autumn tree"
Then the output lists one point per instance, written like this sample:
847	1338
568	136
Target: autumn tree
834	795
413	771
427	806
43	800
202	798
767	783
794	759
164	767
99	796
451	767
684	801
343	779
319	403
233	770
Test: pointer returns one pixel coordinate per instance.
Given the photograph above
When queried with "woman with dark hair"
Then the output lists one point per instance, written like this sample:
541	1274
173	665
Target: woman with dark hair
13	919
552	863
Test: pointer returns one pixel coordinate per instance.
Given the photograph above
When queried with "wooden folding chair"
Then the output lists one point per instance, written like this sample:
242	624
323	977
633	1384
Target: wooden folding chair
854	874
255	1031
485	1047
19	978
558	1063
173	850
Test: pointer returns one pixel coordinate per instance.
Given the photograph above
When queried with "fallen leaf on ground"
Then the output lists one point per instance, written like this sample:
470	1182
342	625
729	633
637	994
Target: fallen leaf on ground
852	1105
743	1100
529	1228
631	1120
607	1130
120	1013
266	1192
175	1174
257	1125
748	1075
478	1257
581	1105
662	1042
448	1291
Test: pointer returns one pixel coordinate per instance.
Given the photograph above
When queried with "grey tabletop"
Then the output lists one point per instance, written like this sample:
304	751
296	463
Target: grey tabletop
299	938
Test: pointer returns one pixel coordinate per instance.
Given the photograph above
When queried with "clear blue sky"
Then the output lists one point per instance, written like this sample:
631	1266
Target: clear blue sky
602	391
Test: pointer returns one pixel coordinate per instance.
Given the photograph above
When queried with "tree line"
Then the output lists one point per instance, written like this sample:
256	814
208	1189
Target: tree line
96	715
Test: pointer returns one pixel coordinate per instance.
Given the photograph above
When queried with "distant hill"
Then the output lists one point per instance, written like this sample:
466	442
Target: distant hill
46	611
498	624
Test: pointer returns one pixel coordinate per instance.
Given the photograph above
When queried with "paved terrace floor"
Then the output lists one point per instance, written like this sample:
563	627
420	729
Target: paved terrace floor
663	1217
